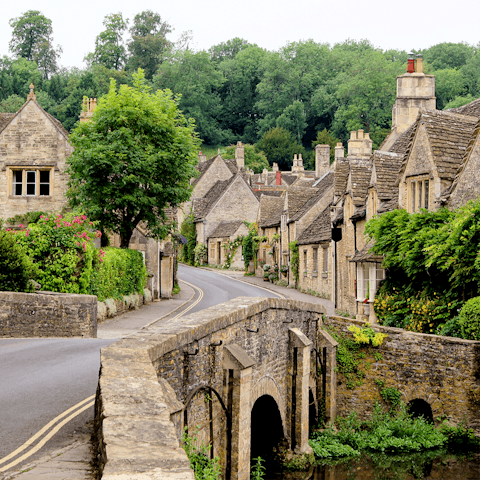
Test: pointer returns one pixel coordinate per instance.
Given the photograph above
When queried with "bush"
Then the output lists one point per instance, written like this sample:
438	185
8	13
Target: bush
121	273
62	249
469	319
15	267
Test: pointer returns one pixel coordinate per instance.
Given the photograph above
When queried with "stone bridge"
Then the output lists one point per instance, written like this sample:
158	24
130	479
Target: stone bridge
245	375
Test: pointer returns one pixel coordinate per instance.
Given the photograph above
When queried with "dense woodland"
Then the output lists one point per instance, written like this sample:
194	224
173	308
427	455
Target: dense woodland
235	90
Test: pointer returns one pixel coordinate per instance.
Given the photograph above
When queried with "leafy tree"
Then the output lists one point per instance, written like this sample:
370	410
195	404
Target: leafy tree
109	48
11	104
239	92
228	50
449	84
293	120
324	137
279	146
448	55
149	43
32	39
459	101
133	159
194	76
257	161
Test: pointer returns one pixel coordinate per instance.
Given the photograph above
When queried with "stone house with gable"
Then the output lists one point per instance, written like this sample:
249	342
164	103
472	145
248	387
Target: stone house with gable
227	201
218	241
33	152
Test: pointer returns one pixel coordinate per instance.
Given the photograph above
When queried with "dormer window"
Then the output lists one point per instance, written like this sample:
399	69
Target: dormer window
419	194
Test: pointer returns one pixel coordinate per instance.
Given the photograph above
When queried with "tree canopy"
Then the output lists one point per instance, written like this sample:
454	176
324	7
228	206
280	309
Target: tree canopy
32	39
133	160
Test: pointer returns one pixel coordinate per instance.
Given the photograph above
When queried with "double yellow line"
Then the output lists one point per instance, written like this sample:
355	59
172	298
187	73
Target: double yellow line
46	433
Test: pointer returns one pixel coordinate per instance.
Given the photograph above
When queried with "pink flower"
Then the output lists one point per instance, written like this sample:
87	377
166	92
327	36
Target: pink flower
27	233
84	217
41	216
78	244
8	229
21	225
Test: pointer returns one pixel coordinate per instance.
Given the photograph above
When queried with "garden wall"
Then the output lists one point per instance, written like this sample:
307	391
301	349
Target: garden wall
47	314
443	371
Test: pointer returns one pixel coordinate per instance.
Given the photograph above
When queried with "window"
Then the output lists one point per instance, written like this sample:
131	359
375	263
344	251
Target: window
369	276
419	191
31	182
283	222
315	259
325	260
305	263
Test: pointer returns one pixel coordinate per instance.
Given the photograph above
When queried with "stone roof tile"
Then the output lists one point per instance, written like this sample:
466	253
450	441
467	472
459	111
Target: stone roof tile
226	229
5	119
271	210
202	206
387	166
319	231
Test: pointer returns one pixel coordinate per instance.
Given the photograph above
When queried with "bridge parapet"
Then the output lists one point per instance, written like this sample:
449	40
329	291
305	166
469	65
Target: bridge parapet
242	350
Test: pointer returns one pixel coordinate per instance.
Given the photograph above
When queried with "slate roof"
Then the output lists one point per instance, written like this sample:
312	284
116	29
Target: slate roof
388	206
472	109
296	198
201	206
360	175
321	187
269	193
319	231
342	169
5	119
364	255
271	209
402	143
202	167
387	165
449	135
226	229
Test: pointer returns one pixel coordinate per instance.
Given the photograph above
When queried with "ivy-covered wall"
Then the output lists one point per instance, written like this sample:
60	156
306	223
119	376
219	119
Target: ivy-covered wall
443	371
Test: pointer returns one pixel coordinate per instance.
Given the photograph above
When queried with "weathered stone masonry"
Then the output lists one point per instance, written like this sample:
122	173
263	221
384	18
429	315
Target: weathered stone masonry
47	314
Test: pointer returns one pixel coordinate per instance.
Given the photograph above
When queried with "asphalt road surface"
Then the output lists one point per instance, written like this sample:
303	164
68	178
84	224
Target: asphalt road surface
44	379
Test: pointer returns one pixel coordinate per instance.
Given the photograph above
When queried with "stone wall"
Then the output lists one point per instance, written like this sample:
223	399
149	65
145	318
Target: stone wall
443	371
147	379
47	314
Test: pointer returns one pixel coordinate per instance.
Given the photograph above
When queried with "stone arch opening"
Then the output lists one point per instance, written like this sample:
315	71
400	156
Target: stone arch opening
266	430
420	408
312	412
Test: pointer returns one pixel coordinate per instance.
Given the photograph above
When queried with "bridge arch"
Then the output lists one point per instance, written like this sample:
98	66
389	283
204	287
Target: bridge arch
420	408
267	386
425	394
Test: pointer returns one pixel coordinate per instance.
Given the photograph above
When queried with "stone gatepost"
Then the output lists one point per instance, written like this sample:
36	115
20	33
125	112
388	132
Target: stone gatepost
300	389
328	342
239	388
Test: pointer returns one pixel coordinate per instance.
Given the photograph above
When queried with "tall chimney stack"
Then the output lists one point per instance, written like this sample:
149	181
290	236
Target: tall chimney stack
240	155
322	160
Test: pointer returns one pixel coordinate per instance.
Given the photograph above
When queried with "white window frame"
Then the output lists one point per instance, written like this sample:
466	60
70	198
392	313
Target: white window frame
375	275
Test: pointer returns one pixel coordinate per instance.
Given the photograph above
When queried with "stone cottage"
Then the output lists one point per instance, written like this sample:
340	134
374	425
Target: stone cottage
33	152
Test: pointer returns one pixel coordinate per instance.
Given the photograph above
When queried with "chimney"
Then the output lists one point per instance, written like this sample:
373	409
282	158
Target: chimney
240	155
360	144
201	157
88	106
411	63
275	167
265	176
322	159
278	177
339	151
419	63
297	164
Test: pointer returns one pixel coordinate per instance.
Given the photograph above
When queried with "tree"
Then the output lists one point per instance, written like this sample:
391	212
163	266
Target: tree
228	50
32	39
257	161
324	137
11	104
134	159
197	80
109	48
448	55
149	43
279	146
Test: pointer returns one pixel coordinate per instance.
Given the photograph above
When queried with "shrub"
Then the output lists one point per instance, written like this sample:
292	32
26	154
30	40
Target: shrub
469	319
63	250
200	254
121	273
16	268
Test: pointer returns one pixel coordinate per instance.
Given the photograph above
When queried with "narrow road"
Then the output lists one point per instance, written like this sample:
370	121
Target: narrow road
47	385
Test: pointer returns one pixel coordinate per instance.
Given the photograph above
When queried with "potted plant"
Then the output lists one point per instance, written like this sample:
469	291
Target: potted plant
284	270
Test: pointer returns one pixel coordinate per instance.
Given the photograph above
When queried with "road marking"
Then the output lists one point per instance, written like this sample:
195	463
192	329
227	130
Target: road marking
47	437
281	295
199	299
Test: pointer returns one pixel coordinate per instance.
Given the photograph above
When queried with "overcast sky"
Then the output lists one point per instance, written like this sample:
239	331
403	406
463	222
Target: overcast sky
402	25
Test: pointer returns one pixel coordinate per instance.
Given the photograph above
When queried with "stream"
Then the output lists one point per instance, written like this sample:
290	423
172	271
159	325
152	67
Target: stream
429	465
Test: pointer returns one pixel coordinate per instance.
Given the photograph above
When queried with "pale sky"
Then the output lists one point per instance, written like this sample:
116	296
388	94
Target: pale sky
403	25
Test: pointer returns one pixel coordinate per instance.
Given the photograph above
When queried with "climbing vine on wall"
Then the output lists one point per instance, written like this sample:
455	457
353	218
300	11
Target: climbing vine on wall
295	260
189	231
231	248
251	244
